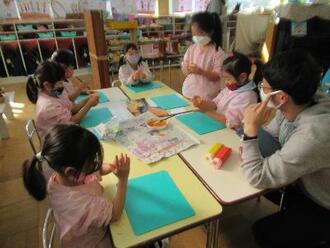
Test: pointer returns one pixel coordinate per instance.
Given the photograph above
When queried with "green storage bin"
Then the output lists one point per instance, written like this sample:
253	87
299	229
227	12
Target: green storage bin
68	34
24	27
7	37
46	35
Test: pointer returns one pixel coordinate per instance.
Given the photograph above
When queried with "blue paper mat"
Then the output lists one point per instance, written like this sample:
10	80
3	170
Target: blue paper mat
325	80
169	101
200	123
102	97
144	87
95	117
154	201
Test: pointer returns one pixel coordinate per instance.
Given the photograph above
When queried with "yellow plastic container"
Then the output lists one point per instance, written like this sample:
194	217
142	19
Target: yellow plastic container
122	24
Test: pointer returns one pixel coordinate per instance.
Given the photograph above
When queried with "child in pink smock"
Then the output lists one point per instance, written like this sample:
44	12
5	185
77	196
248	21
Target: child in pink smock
45	88
81	212
132	69
66	58
228	107
203	61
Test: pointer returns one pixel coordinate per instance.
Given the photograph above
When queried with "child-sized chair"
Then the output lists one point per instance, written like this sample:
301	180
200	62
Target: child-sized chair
33	135
116	83
47	242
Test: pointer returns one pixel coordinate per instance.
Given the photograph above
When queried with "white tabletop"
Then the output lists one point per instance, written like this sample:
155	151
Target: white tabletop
228	183
114	94
117	103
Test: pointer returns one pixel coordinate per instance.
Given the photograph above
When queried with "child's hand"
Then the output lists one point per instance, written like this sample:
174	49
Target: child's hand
192	68
255	116
136	76
200	103
122	165
83	86
196	100
89	92
107	169
93	100
142	75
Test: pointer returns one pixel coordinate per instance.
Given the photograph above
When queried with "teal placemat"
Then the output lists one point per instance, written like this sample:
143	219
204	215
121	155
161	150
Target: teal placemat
102	97
200	123
169	101
144	87
325	80
154	201
95	117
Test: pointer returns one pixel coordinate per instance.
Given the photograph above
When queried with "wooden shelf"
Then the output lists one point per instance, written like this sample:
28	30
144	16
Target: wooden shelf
69	29
163	32
73	37
7	41
39	21
149	42
7	32
34	31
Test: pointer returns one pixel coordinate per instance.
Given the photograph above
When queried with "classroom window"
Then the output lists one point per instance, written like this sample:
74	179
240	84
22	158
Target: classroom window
250	5
247	5
201	5
187	6
146	6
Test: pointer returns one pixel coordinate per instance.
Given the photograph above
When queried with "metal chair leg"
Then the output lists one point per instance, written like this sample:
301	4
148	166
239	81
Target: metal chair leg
281	207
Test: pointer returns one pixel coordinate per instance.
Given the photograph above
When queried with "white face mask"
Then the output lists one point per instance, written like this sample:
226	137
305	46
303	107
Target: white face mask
133	59
201	40
270	104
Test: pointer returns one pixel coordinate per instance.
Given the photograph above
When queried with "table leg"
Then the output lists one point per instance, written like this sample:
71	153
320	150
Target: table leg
213	239
3	129
217	234
8	111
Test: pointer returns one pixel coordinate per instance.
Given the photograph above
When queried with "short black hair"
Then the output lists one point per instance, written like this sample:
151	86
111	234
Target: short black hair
125	50
64	57
129	46
295	72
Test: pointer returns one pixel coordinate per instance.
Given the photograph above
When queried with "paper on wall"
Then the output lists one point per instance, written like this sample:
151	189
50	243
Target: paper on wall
8	9
127	7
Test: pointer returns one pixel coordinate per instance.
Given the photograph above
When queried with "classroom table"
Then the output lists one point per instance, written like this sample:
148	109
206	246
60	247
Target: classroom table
227	184
114	94
207	209
164	90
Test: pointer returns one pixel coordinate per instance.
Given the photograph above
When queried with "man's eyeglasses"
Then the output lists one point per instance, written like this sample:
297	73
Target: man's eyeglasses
261	86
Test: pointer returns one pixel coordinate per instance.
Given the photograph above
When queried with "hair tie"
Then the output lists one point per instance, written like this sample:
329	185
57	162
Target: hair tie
35	80
40	157
231	54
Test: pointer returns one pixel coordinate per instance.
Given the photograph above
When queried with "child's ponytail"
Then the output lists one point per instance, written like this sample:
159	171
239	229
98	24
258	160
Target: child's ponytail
32	88
33	178
217	31
47	71
65	145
